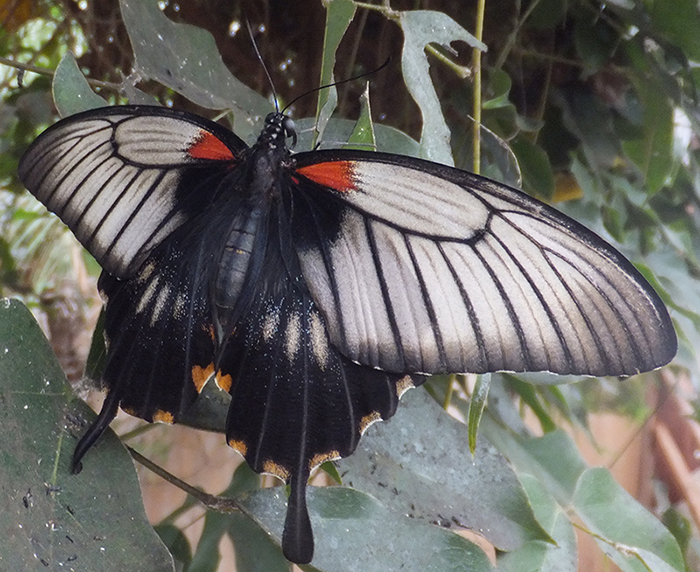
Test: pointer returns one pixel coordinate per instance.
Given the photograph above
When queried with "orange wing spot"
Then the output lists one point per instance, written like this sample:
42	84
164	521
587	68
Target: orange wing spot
210	330
208	146
338	175
131	411
239	446
223	381
201	375
403	385
278	470
163	417
368	420
322	458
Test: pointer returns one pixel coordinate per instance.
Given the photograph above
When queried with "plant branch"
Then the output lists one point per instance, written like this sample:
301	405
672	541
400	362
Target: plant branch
476	70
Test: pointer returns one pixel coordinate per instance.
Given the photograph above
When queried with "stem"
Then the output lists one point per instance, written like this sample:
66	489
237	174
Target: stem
213	502
476	67
49	72
514	35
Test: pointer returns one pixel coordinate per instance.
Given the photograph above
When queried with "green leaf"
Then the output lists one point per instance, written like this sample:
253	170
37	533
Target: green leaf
529	395
476	408
210	409
254	549
185	58
607	511
71	91
176	541
498	90
420	28
546	14
339	130
679	22
594	41
362	136
535	167
356	533
678	525
653	154
558	556
421	465
620	522
53	518
339	14
559	473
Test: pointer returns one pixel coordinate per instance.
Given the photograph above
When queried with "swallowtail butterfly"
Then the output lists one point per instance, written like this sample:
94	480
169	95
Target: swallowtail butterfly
317	287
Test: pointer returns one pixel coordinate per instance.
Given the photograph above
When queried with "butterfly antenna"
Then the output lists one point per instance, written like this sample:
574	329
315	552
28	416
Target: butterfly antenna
337	83
262	62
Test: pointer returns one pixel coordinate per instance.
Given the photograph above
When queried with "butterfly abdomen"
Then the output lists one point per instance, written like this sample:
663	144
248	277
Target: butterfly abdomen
234	262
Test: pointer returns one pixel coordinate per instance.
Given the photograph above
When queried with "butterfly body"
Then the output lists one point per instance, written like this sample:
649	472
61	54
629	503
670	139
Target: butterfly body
315	288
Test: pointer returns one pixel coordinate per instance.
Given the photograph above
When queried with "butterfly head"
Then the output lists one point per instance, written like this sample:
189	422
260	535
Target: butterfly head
278	127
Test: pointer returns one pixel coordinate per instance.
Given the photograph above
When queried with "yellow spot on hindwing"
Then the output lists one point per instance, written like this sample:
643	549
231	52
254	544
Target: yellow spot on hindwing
278	470
368	420
163	417
239	446
403	385
130	411
201	375
223	381
321	458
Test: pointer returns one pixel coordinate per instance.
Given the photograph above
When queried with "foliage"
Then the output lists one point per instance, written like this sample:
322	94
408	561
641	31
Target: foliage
590	105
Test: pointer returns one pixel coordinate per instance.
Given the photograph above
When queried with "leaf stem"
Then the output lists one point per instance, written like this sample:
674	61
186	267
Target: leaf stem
476	70
49	72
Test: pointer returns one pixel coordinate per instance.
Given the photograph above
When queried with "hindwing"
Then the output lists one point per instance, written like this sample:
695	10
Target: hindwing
296	401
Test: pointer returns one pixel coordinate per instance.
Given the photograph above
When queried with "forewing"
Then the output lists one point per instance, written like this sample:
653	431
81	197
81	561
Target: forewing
124	178
423	268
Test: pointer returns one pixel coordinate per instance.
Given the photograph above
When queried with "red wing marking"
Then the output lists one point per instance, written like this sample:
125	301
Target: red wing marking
338	175
208	146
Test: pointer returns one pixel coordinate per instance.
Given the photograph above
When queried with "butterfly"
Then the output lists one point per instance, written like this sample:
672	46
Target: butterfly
317	287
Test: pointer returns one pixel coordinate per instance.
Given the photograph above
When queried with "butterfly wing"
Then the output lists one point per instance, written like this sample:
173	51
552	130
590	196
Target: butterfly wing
419	267
124	178
296	400
139	187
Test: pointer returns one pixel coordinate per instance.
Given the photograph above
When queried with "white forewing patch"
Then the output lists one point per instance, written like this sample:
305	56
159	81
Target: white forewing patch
118	205
363	312
88	191
156	143
427	275
418	201
137	217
